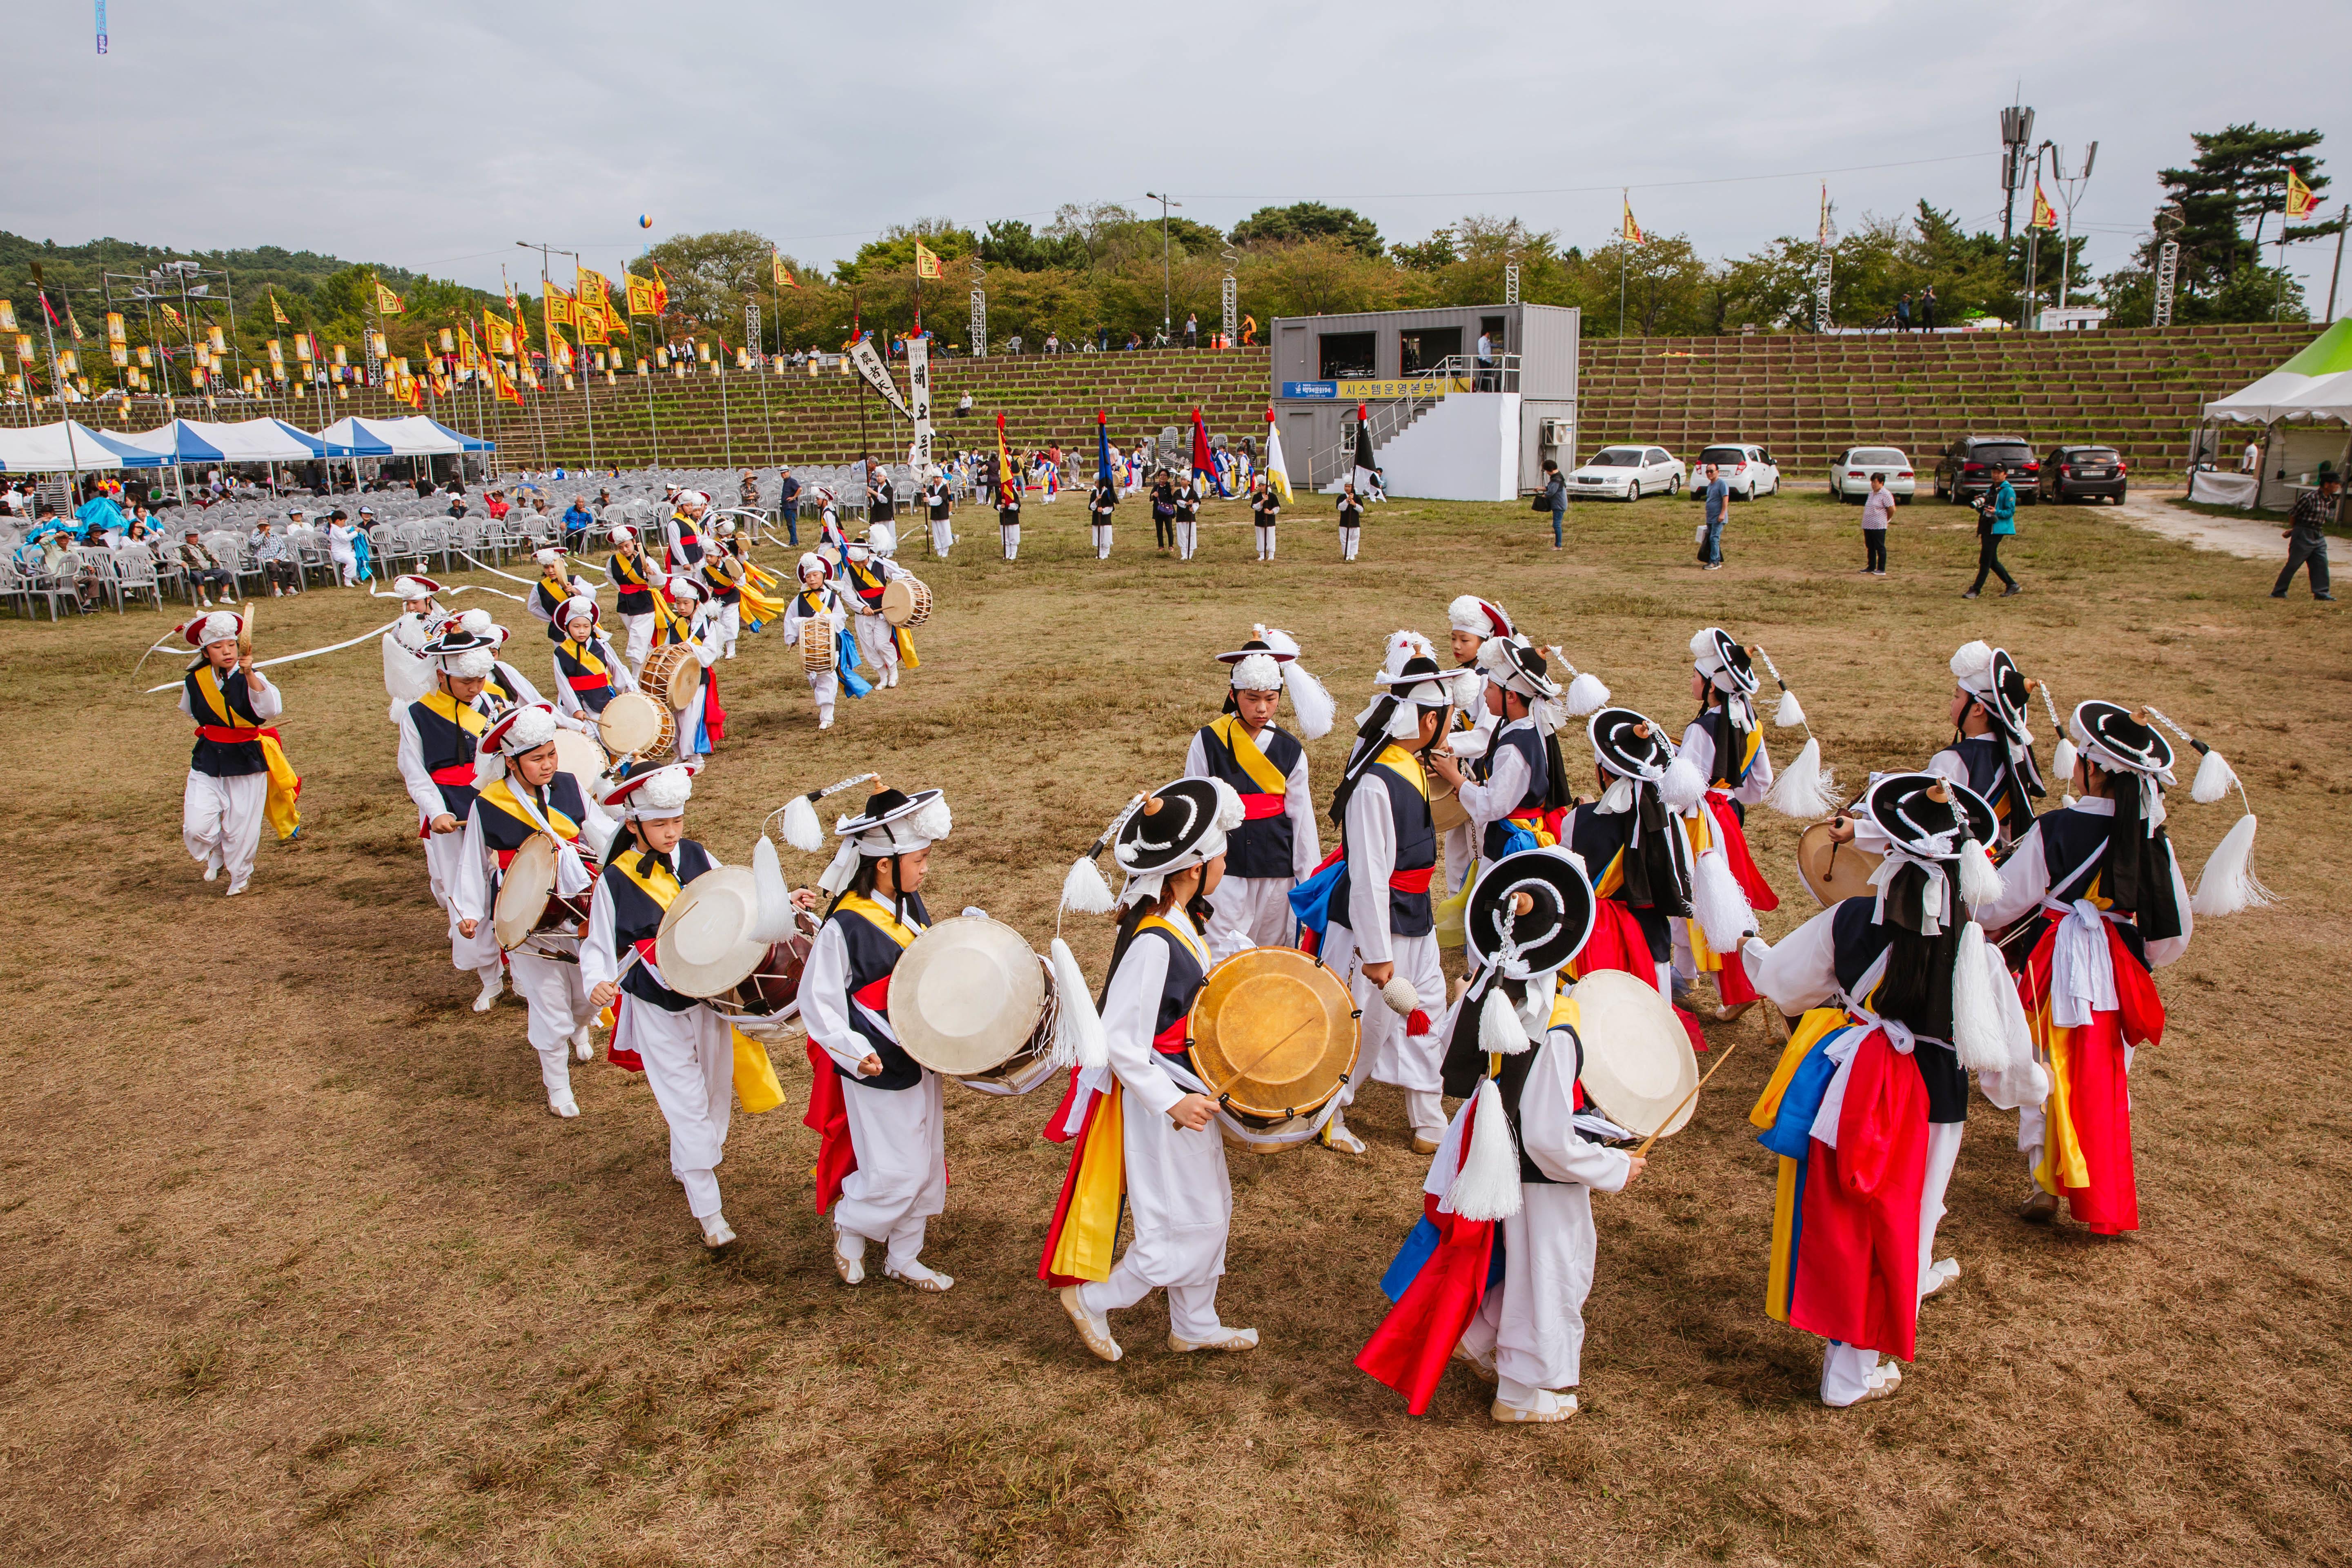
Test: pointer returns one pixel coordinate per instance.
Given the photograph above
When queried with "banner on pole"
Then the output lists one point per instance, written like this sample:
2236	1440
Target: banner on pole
878	375
918	399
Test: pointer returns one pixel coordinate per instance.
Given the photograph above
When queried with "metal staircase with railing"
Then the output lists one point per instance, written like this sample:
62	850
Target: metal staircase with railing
1388	420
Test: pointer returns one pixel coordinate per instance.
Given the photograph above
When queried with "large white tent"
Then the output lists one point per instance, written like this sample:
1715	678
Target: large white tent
414	437
193	441
70	447
2305	406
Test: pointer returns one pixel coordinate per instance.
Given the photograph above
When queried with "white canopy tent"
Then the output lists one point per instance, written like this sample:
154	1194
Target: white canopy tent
2305	406
70	447
414	437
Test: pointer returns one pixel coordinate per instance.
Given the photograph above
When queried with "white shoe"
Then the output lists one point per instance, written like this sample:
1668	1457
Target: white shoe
1546	1406
584	1044
849	1257
1939	1274
716	1232
212	873
235	888
1093	1327
561	1102
1337	1136
1227	1340
924	1279
491	991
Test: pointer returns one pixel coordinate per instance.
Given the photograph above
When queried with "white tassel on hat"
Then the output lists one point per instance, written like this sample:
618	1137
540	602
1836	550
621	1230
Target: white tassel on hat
2228	883
1500	1033
841	871
802	831
1486	1187
2215	778
1719	903
1084	891
774	922
934	821
1979	883
1791	713
1803	789
1311	701
1586	695
1978	1038
2062	761
1078	1037
1682	786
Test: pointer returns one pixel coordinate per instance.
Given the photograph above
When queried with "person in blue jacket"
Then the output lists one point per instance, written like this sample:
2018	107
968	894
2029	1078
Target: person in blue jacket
1996	520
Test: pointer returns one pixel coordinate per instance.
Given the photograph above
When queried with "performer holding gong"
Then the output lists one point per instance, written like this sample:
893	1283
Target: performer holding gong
1147	1126
522	796
882	1166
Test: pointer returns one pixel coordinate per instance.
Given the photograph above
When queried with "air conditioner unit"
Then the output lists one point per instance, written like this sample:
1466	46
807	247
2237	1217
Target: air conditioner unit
1558	432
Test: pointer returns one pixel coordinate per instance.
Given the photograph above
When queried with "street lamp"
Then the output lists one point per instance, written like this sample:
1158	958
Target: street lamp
1167	294
2016	133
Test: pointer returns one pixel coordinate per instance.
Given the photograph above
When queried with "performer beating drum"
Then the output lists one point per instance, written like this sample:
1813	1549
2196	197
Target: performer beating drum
438	737
814	619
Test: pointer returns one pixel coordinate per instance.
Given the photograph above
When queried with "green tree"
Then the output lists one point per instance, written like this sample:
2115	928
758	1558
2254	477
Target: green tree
894	250
1309	220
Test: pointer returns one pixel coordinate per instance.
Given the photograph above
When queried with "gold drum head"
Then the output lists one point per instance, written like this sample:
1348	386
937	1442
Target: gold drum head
1274	1032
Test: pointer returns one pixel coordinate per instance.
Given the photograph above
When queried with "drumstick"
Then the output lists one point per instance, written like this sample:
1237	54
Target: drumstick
1643	1151
1259	1060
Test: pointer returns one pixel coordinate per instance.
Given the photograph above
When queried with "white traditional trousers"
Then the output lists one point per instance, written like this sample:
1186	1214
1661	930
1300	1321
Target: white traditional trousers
1182	1203
1250	911
901	1181
689	1060
220	822
1391	1054
557	1004
1533	1321
641	639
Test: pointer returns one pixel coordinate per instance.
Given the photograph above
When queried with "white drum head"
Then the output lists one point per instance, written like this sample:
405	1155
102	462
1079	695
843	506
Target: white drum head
629	723
705	945
1638	1062
966	994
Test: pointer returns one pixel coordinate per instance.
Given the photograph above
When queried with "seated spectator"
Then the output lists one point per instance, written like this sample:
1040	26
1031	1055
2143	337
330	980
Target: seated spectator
206	573
275	555
495	504
577	517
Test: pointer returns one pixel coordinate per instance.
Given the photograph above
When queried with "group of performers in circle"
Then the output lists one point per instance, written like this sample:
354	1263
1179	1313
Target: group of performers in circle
1996	935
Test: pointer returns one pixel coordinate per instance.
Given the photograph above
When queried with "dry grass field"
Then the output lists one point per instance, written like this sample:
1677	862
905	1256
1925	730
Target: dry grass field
301	1270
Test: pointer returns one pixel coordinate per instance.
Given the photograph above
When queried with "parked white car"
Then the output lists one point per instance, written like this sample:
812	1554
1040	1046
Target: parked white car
1627	473
1748	469
1851	469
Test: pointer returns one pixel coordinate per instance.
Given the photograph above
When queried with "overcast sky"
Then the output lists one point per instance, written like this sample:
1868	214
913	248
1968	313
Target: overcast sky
434	133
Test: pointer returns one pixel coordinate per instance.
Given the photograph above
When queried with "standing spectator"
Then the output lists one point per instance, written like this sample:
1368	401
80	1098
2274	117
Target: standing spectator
206	575
1878	511
1555	499
1928	309
1163	512
2250	459
788	504
1192	331
577	520
1265	512
274	555
1718	502
1996	520
1485	361
2306	536
1902	313
1102	337
749	488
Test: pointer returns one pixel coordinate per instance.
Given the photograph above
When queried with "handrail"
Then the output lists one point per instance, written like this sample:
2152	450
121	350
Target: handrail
1388	418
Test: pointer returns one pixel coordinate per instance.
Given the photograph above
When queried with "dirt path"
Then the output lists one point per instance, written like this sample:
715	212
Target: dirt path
2255	539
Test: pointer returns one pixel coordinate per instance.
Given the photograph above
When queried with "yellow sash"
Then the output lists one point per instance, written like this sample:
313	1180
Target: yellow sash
1235	735
465	715
1405	762
277	808
660	885
502	796
1090	1228
1192	945
880	916
585	655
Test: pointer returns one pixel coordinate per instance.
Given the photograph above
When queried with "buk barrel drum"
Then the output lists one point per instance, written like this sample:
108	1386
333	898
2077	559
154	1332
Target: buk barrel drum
707	948
673	674
635	726
1273	1038
581	757
817	644
906	602
1830	870
1638	1068
528	903
1445	812
971	999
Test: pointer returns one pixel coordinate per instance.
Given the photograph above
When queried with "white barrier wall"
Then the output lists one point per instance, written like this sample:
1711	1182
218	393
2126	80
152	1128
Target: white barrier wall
1466	448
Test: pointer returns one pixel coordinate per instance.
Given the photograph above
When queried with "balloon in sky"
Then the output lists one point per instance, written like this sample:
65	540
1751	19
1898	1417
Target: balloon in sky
643	222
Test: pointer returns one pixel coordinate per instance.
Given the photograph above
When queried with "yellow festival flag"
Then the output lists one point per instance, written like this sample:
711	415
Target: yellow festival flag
561	311
276	314
501	385
172	316
640	295
593	313
499	331
7	316
783	273
2044	214
2300	202
927	263
594	321
387	303
114	326
1632	231
560	348
591	286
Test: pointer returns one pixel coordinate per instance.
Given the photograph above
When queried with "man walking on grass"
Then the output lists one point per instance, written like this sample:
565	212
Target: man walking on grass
1718	502
1878	511
1996	520
2306	536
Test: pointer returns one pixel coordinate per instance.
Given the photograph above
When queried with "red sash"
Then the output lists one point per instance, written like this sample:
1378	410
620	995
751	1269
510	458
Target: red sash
828	1117
1412	881
587	682
1258	807
1734	840
455	775
1170	1041
231	735
1617	943
1857	1269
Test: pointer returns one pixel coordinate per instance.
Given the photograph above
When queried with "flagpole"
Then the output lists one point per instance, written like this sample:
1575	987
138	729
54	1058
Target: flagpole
56	379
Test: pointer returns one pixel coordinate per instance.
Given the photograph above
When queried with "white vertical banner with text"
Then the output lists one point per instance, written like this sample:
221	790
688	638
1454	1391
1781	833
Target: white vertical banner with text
918	399
878	375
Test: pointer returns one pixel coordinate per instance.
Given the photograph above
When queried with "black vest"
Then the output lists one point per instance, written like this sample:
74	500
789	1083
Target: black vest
569	668
506	833
224	758
872	957
1992	775
1601	839
2073	846
1416	849
1180	988
1262	847
1465	1064
550	603
1857	942
636	598
445	744
1522	739
1730	745
636	918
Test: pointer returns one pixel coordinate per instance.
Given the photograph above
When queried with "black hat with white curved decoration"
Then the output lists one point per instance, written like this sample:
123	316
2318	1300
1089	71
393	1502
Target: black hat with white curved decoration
2120	741
1519	667
1178	826
1723	661
1530	913
893	824
1630	746
1927	816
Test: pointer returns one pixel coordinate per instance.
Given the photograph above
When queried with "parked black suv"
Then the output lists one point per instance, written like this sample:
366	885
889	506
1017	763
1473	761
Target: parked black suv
1964	472
2082	473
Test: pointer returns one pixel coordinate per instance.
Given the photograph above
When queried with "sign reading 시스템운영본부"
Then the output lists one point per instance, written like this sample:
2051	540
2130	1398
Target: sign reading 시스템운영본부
1373	391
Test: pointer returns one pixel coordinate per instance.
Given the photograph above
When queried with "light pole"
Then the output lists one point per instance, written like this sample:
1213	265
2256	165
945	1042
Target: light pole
587	398
2016	135
2070	186
1167	293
